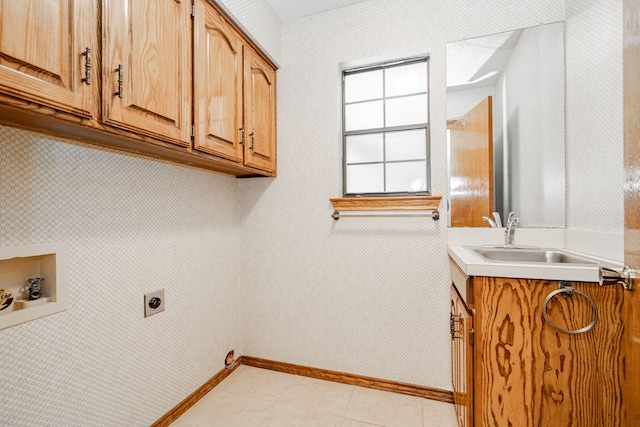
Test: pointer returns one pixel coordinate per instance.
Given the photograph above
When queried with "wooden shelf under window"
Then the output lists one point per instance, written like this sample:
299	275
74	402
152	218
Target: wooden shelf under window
383	206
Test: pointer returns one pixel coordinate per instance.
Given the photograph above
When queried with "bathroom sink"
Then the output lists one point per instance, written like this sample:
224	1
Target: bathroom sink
544	256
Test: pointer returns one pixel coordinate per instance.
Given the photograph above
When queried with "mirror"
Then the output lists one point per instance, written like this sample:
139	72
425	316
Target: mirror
505	127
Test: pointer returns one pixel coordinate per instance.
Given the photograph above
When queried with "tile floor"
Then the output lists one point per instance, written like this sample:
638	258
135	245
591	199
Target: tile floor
253	397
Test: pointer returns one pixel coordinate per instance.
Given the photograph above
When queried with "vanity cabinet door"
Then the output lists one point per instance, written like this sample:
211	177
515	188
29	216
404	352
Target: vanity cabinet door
530	374
462	358
217	85
259	112
41	53
147	68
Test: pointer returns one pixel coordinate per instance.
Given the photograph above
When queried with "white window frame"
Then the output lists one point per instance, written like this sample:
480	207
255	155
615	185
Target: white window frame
385	129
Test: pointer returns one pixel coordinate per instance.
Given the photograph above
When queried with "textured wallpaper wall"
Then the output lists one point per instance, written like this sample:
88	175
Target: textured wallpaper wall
263	25
595	199
366	296
133	225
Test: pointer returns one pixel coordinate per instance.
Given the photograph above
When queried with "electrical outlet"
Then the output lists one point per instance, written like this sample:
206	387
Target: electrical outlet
153	302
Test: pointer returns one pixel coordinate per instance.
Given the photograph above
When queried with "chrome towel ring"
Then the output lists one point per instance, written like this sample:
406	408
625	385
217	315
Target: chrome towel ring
566	288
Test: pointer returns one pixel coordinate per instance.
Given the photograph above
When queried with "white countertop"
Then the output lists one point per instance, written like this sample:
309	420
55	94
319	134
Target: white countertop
473	264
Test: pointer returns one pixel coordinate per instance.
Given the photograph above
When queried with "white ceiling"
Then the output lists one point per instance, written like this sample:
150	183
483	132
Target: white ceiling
470	63
478	62
288	10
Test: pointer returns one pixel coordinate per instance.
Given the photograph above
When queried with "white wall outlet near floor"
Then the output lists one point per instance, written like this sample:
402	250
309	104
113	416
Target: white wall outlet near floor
153	302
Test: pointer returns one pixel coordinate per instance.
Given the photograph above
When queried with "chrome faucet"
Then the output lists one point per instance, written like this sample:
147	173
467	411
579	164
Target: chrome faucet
509	231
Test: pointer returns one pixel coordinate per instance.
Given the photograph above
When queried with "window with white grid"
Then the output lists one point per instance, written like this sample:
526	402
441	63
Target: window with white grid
386	129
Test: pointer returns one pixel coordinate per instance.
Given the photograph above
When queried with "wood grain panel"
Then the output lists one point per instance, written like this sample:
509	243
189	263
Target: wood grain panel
156	58
529	374
462	358
18	113
471	166
40	53
463	285
23	39
386	203
217	83
259	112
631	85
152	42
351	379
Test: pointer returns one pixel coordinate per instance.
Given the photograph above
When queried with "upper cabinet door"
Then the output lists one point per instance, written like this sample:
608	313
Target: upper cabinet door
147	68
217	85
41	53
259	112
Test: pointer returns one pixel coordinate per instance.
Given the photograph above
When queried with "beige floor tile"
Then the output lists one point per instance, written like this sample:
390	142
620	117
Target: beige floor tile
323	397
352	423
253	397
223	409
255	382
384	408
289	416
438	414
191	420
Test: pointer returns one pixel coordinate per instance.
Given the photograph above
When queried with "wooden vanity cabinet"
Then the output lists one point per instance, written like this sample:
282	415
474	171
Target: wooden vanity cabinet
525	373
147	68
462	333
49	53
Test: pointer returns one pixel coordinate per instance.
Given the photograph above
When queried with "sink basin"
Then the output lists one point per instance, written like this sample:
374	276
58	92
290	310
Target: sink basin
545	256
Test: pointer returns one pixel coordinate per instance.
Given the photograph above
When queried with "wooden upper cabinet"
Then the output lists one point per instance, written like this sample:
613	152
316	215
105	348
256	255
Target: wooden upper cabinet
259	112
41	53
217	85
141	76
147	68
235	94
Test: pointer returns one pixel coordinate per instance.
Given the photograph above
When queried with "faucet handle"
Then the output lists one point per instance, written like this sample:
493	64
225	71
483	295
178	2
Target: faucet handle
491	222
497	219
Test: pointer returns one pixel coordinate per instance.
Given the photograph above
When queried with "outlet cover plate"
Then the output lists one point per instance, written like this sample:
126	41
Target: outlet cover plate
151	304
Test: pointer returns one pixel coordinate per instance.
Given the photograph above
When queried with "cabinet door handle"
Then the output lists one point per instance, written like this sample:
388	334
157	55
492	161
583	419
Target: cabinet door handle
453	320
87	66
252	141
119	71
242	140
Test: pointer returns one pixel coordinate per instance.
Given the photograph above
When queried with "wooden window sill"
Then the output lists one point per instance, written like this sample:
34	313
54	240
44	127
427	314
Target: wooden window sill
409	203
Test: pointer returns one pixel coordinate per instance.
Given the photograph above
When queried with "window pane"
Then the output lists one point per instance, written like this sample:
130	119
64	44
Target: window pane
367	115
377	100
406	79
365	178
364	148
363	86
408	110
406	145
409	176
